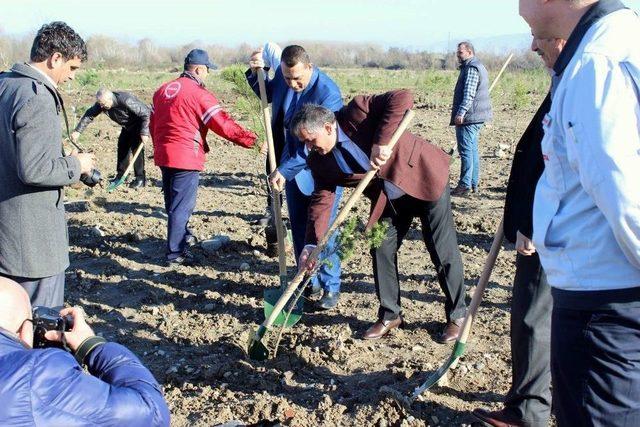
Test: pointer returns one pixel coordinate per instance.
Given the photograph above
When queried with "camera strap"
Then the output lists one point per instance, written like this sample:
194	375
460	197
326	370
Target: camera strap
87	346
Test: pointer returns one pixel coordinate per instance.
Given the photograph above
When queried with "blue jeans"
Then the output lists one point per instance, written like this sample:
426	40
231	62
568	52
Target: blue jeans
298	204
180	188
467	137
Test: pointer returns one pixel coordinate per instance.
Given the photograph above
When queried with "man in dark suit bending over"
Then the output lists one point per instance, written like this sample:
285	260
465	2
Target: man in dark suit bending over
412	181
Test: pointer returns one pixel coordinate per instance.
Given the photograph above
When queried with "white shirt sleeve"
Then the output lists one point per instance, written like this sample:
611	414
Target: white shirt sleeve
271	54
601	122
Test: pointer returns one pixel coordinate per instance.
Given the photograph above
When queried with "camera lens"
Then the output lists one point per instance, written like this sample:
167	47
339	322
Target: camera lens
92	178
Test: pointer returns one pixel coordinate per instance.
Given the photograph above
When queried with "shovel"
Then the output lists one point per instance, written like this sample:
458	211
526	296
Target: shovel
115	184
461	342
271	296
256	349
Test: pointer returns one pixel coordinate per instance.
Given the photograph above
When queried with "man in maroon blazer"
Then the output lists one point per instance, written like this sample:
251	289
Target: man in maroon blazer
412	181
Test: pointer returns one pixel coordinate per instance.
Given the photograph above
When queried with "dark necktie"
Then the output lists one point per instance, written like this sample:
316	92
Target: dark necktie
290	110
351	160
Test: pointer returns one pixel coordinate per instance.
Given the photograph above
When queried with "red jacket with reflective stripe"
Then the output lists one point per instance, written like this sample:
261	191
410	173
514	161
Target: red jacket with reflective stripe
183	112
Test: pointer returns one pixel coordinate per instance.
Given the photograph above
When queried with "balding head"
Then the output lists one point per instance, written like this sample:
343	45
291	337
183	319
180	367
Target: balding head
105	98
15	308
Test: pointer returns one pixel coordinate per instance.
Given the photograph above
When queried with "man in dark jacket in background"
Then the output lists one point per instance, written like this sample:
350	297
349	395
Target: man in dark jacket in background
130	113
34	246
47	387
471	109
528	402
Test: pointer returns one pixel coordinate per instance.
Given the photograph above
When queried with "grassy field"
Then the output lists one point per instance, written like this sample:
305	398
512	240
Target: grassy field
516	89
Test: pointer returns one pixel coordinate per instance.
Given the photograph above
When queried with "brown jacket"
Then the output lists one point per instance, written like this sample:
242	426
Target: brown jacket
416	166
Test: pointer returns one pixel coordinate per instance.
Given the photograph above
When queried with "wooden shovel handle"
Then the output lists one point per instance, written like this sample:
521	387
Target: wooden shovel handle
276	206
127	171
482	283
342	215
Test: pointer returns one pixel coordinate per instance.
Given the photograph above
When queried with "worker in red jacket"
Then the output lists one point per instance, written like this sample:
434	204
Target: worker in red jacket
183	112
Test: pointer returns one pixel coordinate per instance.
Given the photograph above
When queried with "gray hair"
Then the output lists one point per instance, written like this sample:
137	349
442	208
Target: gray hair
467	44
312	118
103	93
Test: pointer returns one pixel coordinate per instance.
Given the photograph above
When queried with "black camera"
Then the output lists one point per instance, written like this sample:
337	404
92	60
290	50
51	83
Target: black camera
47	319
92	178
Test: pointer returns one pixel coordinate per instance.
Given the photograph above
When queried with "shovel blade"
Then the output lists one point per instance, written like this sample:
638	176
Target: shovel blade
271	297
115	184
256	350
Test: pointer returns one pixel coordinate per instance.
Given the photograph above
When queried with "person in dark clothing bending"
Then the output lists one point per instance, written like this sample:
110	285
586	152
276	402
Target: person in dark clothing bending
130	113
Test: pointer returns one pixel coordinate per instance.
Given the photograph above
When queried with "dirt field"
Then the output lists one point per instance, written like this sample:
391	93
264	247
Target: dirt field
190	325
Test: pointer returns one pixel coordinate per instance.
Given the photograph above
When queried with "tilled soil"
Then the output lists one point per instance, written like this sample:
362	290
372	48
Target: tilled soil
190	325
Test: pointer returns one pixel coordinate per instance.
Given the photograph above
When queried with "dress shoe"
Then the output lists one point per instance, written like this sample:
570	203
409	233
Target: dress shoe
460	191
138	183
451	331
328	301
382	328
502	418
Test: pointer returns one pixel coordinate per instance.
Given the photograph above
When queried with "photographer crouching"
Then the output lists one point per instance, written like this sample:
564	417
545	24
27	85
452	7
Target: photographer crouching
47	387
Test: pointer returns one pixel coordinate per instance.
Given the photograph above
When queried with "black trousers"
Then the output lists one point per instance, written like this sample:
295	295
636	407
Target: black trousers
595	357
529	397
439	235
128	143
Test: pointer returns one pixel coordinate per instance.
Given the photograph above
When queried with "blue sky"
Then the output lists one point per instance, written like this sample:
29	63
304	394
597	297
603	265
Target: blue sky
402	23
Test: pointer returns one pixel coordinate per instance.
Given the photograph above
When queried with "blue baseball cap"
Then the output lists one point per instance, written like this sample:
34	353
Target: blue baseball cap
199	57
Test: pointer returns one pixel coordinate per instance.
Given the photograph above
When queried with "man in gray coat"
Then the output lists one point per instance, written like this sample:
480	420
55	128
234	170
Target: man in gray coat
34	244
471	109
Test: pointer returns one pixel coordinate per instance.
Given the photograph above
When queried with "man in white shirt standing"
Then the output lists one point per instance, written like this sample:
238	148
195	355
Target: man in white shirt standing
587	209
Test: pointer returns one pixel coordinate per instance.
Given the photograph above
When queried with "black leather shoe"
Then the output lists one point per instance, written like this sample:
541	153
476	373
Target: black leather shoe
138	183
328	301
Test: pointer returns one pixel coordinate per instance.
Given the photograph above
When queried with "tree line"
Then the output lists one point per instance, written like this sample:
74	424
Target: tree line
107	52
